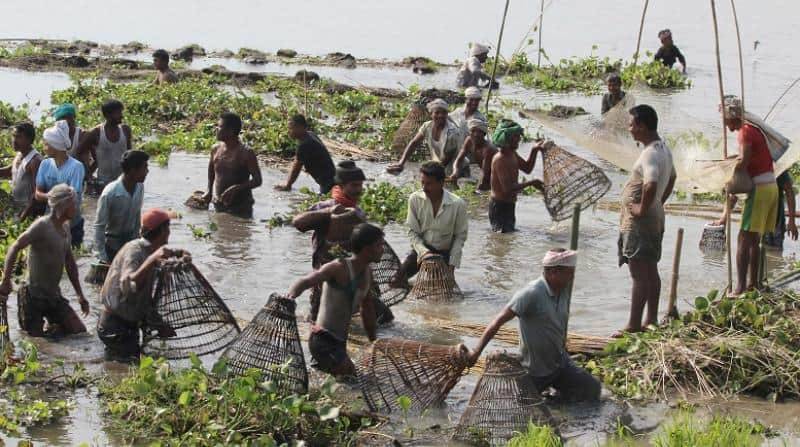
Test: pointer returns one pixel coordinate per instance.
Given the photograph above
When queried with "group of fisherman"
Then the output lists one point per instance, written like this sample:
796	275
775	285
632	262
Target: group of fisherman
133	242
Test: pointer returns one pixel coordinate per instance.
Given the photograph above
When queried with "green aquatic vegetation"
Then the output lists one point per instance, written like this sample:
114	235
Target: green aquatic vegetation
384	202
654	74
24	50
536	435
686	430
724	346
193	406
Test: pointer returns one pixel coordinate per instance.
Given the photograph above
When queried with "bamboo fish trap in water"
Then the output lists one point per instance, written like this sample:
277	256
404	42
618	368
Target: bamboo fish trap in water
569	179
196	201
268	343
423	372
504	401
187	303
409	127
713	238
389	278
435	282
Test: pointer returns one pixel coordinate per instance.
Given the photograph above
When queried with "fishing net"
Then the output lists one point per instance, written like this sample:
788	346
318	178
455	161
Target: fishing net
713	238
271	344
569	179
504	401
196	201
435	282
408	128
187	303
424	373
388	277
5	337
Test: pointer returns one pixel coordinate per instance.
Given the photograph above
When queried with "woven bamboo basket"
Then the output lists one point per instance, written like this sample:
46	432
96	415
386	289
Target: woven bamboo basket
196	201
713	238
504	401
188	304
389	278
423	372
569	179
97	273
435	282
268	343
5	337
409	127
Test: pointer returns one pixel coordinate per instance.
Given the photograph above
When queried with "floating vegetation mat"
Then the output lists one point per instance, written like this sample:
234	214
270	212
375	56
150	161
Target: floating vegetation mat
726	346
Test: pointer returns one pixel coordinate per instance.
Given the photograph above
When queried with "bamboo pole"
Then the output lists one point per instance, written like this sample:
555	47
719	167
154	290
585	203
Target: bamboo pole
541	21
496	57
573	245
724	138
771	109
672	308
641	28
739	45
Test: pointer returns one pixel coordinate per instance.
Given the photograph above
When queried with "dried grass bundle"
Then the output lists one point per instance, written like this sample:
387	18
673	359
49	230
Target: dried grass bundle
504	401
569	179
187	303
423	372
435	281
268	343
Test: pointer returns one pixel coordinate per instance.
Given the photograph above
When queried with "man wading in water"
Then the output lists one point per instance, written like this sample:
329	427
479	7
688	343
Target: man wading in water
469	110
333	221
161	63
471	73
68	113
669	53
106	143
542	308
127	293
345	284
506	165
22	172
480	151
437	221
614	94
233	170
311	155
642	216
442	136
50	254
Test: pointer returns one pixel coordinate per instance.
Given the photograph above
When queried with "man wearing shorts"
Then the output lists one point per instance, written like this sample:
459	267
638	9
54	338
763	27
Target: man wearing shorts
345	283
642	216
760	213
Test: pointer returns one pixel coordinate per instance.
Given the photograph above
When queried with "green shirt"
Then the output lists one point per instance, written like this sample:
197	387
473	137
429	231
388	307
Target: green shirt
542	326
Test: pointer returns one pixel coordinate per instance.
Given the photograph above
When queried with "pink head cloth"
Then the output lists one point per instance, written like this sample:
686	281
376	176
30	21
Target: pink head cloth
566	258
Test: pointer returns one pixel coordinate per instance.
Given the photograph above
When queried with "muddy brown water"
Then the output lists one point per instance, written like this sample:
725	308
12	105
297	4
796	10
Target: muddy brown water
245	260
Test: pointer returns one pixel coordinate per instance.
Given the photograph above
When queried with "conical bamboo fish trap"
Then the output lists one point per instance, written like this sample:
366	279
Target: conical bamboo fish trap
187	303
713	238
389	277
268	343
435	282
409	127
5	337
196	201
504	401
569	179
423	372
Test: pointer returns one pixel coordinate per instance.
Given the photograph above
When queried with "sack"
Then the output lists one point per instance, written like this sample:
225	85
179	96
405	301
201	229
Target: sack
740	182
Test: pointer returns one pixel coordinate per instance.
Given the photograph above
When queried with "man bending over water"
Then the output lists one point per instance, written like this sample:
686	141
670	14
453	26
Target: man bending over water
232	170
311	155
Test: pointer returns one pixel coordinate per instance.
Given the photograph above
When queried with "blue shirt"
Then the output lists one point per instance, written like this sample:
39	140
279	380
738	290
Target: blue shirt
118	217
70	173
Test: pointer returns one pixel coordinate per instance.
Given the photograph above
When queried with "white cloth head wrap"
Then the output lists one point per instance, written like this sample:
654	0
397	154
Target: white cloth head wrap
566	258
57	136
477	49
479	123
59	195
473	92
732	106
437	103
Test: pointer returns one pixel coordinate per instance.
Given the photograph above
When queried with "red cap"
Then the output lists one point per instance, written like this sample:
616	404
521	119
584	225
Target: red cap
154	217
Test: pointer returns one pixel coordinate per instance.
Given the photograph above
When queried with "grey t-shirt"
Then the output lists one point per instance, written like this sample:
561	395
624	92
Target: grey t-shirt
542	325
117	294
47	256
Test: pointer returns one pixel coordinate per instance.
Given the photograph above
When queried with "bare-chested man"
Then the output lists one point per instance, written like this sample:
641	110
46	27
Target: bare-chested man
232	170
505	183
161	63
480	151
106	143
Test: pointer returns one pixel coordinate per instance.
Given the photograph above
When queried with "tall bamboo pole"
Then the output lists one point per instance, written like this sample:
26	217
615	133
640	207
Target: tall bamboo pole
496	57
724	139
573	245
641	28
541	21
672	307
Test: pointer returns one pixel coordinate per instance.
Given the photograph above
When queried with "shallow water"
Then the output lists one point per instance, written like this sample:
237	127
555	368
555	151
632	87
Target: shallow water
245	261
